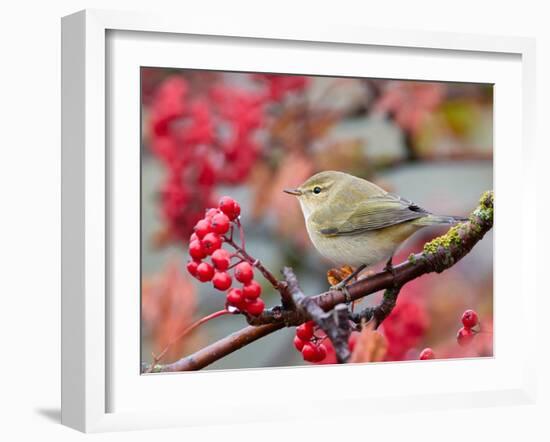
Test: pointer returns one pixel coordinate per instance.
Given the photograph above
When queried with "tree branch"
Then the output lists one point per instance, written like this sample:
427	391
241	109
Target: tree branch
219	349
381	311
335	324
438	255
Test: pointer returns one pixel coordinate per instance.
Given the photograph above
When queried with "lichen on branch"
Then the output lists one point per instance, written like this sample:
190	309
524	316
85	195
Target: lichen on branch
447	249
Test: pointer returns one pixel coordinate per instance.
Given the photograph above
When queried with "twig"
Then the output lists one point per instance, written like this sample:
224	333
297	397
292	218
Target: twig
280	286
157	359
335	324
265	272
219	349
381	311
241	234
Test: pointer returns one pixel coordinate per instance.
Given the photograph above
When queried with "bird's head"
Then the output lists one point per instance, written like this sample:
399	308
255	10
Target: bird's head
318	189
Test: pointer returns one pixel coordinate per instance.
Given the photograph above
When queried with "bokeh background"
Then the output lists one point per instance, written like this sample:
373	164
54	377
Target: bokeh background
206	134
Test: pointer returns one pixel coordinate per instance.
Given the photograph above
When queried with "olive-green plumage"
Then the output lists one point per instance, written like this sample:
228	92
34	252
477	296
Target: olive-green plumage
353	221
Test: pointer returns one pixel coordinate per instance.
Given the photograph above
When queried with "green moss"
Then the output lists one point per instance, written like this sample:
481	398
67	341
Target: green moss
487	199
452	237
484	211
412	258
443	248
486	215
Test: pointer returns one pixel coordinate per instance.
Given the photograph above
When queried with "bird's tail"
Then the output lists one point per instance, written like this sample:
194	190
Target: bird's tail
433	220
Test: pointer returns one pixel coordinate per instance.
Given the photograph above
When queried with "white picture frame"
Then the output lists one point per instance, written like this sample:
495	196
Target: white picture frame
89	321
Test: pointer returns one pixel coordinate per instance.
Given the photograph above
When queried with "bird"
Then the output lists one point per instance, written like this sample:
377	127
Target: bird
354	222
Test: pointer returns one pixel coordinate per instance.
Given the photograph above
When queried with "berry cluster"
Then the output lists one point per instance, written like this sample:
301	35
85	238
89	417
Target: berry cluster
207	137
470	321
186	135
210	233
310	345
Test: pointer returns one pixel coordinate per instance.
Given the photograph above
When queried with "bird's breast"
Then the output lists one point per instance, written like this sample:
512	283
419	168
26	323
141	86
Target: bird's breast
367	248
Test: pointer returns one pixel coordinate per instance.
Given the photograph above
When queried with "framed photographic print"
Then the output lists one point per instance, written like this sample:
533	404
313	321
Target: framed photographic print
249	206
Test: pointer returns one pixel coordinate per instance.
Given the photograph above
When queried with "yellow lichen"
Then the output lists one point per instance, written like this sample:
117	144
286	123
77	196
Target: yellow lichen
485	208
487	200
452	237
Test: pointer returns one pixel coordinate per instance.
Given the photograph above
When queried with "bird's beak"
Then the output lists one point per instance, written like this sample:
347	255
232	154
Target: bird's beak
296	192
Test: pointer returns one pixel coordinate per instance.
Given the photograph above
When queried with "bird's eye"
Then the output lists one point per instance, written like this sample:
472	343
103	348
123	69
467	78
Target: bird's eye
316	189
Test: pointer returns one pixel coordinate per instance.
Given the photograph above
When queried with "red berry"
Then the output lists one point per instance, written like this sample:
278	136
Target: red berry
230	207
205	272
210	214
321	352
220	223
470	319
202	228
221	259
464	336
255	307
309	352
235	297
196	250
244	272
427	353
298	343
211	242
227	203
192	267
305	331
252	290
236	210
193	237
221	280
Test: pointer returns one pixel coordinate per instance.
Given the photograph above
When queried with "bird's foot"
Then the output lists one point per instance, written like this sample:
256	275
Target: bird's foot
389	268
340	285
338	274
344	289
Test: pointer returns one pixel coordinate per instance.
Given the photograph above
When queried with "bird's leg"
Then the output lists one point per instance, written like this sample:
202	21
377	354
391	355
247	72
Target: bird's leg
389	268
348	278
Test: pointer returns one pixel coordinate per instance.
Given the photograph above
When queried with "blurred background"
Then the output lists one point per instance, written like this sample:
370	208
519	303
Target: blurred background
206	134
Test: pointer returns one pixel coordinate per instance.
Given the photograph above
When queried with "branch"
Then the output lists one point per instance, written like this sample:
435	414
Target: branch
381	311
438	255
335	324
280	286
219	349
186	330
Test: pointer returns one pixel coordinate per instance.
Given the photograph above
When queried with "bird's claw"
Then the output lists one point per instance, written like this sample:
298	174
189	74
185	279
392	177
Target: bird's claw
342	287
390	268
338	286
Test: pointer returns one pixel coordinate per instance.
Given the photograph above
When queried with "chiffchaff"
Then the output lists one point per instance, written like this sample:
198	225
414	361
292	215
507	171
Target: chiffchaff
353	221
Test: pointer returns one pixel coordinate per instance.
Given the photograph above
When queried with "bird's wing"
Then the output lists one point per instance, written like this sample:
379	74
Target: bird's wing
373	213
